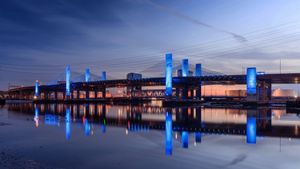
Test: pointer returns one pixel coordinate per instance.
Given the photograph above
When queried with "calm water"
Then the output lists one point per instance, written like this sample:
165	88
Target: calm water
147	136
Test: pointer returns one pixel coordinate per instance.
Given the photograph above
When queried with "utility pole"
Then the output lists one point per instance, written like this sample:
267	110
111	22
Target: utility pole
280	66
243	70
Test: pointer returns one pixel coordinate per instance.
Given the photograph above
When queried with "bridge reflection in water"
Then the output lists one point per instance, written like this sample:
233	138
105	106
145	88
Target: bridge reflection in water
191	124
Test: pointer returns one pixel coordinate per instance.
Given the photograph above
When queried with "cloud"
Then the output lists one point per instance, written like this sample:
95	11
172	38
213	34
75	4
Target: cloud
190	19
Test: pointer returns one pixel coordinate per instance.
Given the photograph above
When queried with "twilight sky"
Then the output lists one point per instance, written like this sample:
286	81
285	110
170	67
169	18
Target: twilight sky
38	38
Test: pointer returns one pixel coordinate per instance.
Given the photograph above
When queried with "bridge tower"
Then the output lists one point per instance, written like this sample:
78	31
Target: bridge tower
185	73
185	67
68	81
198	73
87	75
87	79
103	77
36	91
168	75
198	70
251	84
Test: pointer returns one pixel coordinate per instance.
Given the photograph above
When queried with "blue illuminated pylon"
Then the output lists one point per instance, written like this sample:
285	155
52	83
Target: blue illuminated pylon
68	123
185	139
103	77
68	79
185	67
169	74
198	70
87	75
36	91
251	81
169	144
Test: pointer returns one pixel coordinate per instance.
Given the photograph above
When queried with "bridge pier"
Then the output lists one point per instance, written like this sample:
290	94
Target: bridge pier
185	92
264	89
95	94
87	94
104	93
177	93
78	94
198	92
45	95
192	93
73	94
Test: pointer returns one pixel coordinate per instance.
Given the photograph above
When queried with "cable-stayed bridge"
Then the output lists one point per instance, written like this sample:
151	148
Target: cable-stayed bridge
185	87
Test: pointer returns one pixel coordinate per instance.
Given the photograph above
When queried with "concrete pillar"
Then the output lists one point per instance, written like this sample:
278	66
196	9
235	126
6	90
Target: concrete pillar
198	92
87	94
168	75
192	93
46	95
78	94
74	95
104	92
95	93
177	93
264	90
185	92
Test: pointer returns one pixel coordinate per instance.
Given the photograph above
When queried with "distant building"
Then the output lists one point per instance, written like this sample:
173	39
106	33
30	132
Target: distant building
179	73
134	76
137	90
284	93
61	82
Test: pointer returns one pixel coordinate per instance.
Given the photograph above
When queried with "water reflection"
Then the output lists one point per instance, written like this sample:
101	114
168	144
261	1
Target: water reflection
169	137
68	123
36	116
52	120
251	130
185	139
87	127
183	121
198	136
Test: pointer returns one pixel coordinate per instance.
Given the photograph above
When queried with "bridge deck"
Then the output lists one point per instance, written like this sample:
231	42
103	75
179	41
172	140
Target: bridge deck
287	78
